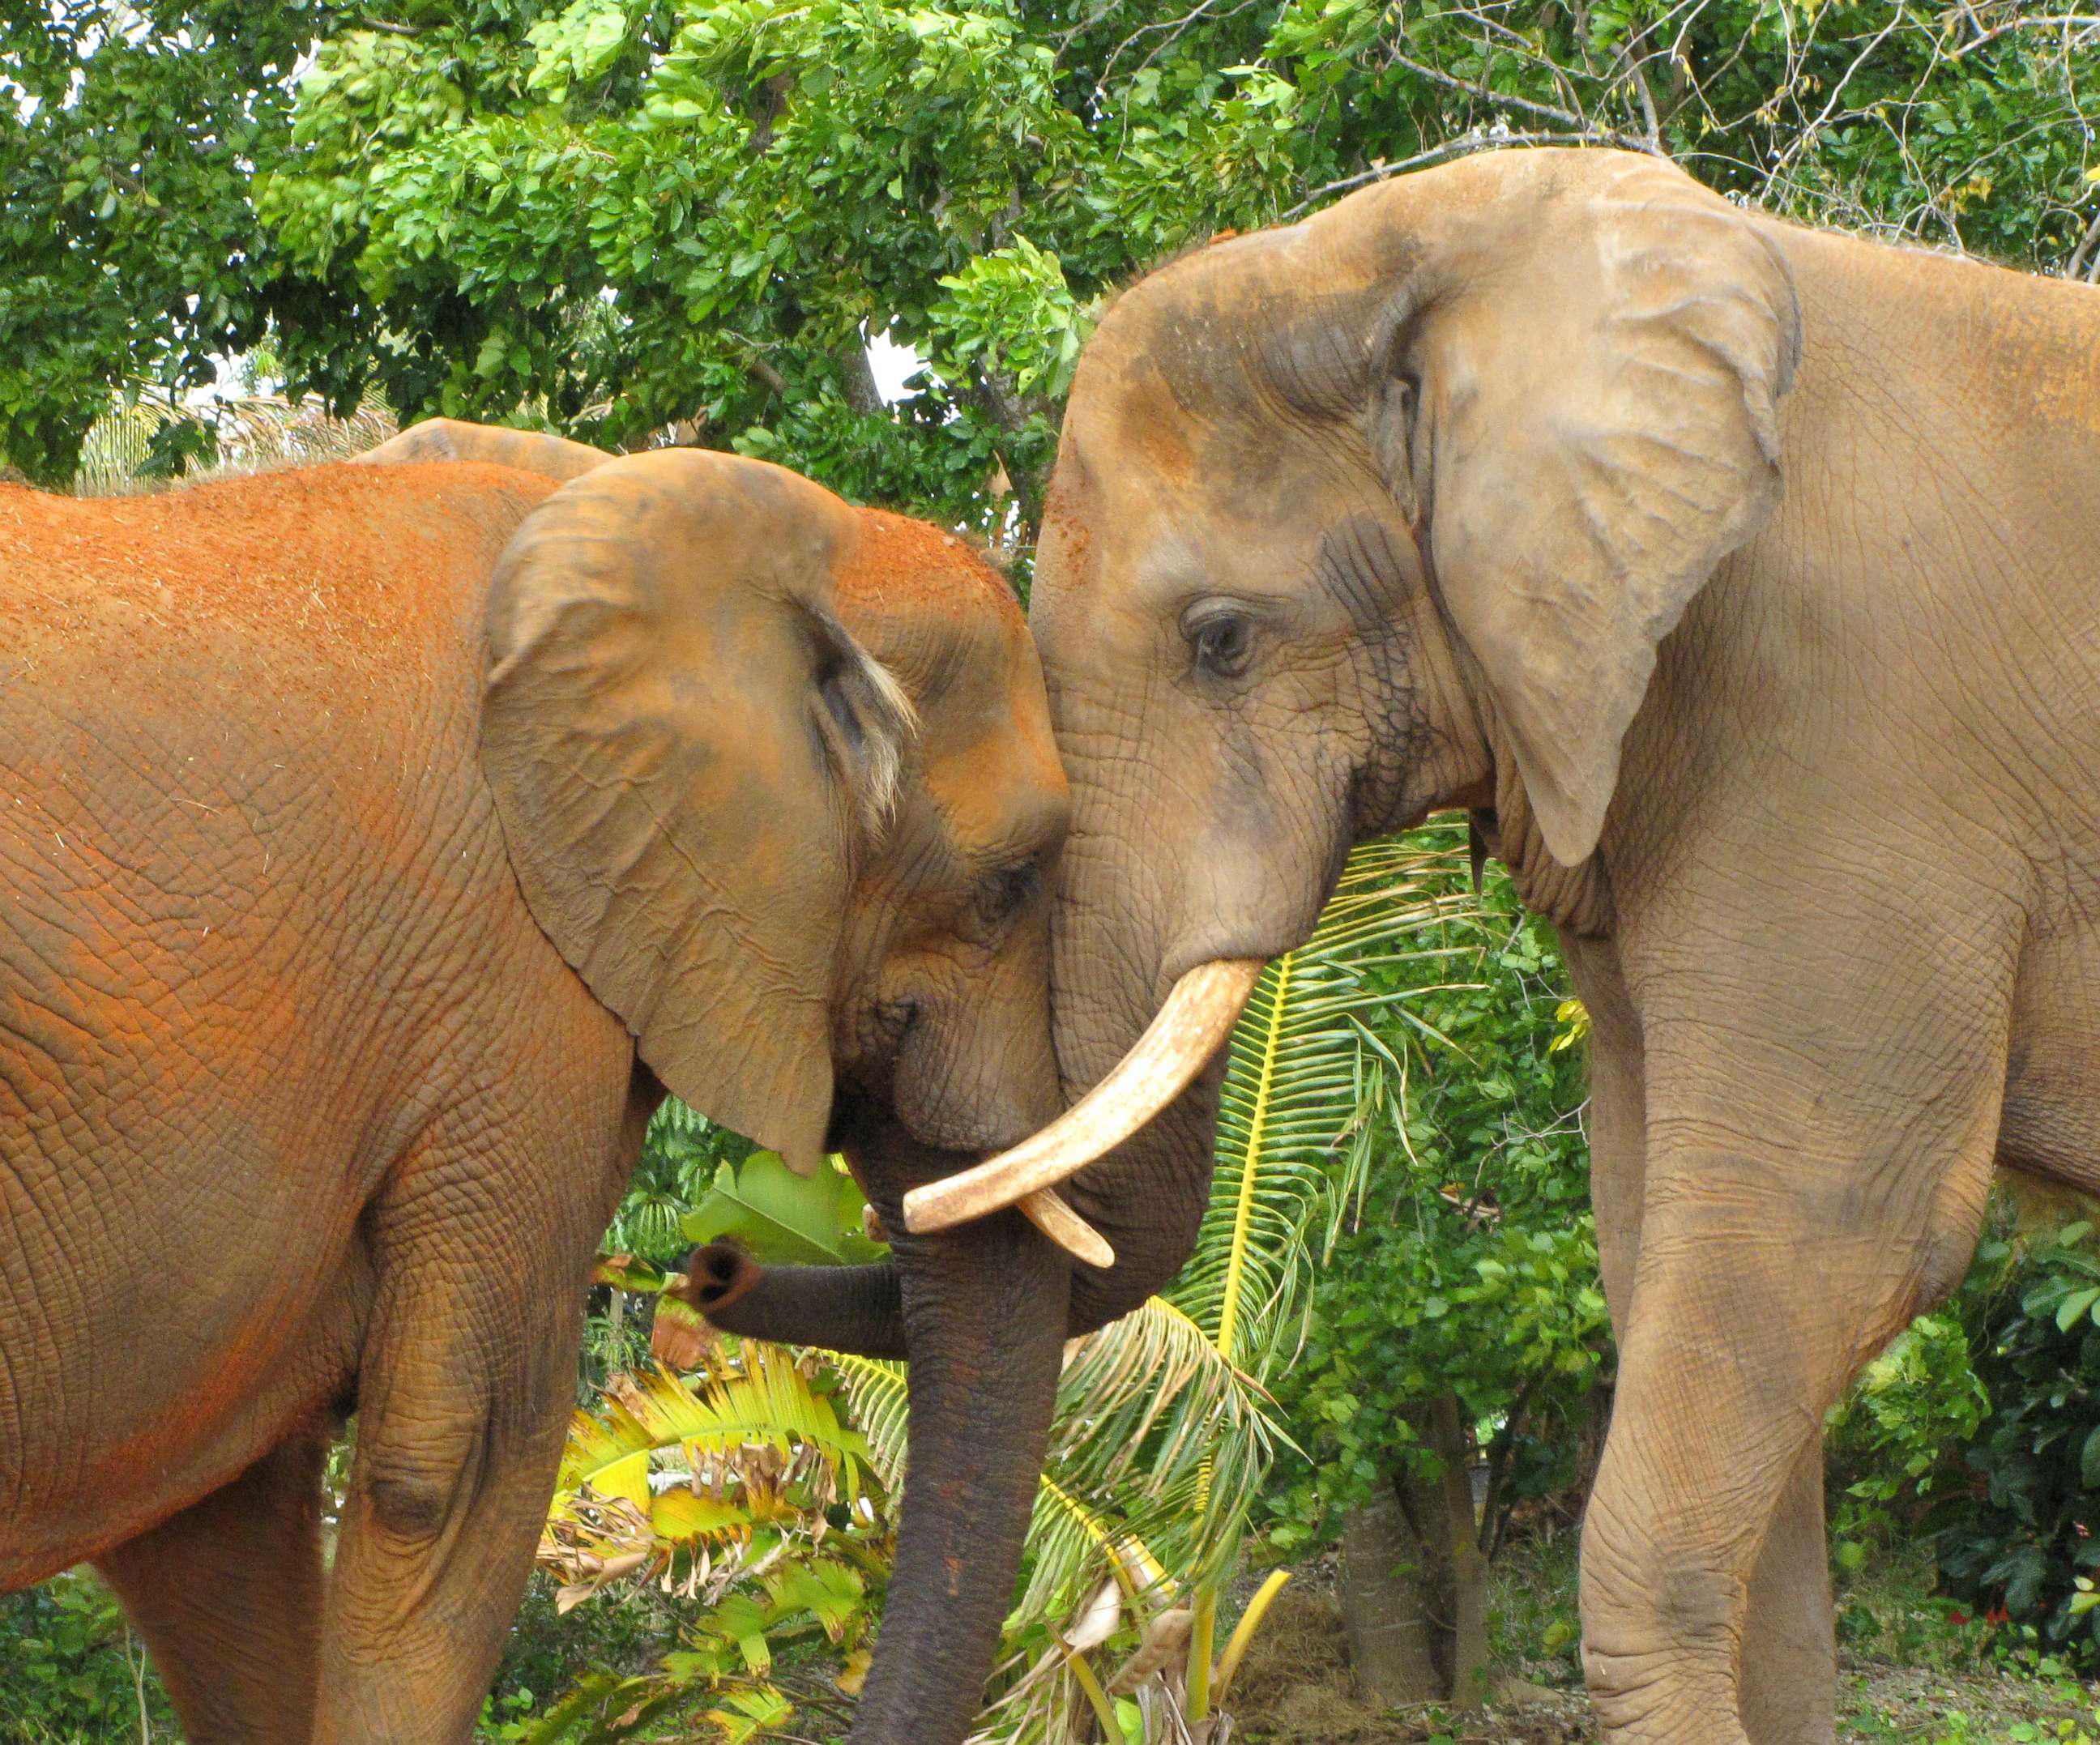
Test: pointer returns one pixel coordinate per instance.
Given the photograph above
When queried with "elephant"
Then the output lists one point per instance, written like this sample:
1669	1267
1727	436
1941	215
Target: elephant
1740	581
381	841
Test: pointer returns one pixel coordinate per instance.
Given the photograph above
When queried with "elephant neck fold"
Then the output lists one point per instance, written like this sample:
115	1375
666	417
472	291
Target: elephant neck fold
1575	899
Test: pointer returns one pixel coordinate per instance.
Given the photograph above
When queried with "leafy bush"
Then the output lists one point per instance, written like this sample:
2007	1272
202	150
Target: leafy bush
1894	1446
2019	1542
71	1672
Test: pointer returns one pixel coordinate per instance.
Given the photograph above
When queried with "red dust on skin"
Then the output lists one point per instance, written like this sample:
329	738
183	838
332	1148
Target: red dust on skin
899	562
177	868
352	558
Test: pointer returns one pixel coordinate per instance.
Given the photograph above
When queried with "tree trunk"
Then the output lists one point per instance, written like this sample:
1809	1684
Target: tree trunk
1414	1587
1469	1566
1387	1613
856	376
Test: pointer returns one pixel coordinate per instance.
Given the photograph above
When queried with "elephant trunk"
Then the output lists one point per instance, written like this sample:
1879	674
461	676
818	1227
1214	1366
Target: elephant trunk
982	1314
985	1312
860	1310
855	1309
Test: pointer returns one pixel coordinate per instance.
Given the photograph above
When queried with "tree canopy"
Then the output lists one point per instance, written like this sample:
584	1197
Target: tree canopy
616	216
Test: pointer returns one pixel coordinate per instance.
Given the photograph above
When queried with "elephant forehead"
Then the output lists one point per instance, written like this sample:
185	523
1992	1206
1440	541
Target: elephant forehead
992	764
926	606
898	563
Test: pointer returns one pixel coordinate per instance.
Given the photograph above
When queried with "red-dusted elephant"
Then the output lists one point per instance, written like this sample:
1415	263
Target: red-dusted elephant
378	843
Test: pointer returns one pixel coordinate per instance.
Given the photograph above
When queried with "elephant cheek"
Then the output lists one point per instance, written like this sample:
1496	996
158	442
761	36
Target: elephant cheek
979	1075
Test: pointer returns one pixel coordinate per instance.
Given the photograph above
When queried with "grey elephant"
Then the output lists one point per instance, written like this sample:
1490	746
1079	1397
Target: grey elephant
1743	581
378	841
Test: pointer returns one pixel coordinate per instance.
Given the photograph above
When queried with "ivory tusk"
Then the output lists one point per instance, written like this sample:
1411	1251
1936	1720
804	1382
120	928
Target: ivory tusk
1197	1017
1046	1210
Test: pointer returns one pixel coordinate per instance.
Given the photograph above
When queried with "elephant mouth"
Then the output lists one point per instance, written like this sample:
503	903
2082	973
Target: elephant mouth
1198	1016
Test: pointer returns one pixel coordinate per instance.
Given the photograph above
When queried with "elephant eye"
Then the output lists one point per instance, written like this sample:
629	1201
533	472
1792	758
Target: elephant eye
1001	895
1223	642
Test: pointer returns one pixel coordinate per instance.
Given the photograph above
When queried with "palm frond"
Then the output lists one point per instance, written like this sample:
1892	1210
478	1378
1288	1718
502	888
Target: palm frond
761	1400
660	1467
1151	1416
876	1402
1306	1084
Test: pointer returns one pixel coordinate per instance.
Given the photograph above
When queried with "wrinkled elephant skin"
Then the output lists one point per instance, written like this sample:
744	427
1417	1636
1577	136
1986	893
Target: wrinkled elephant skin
1743	580
378	843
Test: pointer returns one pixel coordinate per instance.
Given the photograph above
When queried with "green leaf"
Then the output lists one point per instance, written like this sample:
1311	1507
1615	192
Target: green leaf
781	1217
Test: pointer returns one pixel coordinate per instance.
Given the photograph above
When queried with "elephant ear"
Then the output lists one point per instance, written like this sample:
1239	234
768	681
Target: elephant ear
1580	400
689	754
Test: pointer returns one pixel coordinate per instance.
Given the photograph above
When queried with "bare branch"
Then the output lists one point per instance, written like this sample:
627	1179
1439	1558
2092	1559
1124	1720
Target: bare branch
2069	20
1592	132
2084	262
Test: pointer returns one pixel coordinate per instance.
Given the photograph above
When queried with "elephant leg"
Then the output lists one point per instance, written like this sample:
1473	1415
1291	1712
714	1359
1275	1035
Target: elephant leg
1790	1651
1789	1667
227	1595
465	1388
462	1408
1819	1145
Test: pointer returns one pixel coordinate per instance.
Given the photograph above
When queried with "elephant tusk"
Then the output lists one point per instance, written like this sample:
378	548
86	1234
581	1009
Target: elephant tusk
1197	1017
1046	1210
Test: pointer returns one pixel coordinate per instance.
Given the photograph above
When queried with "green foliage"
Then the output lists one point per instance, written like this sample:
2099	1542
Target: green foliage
2020	1539
742	1491
682	1158
618	216
130	255
1894	1446
783	1218
1471	1267
71	1670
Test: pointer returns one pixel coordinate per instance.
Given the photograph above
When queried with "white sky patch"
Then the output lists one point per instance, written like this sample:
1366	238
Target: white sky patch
892	366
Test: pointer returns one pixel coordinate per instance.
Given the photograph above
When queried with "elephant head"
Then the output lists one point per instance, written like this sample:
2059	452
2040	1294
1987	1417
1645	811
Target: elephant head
777	776
777	779
1382	512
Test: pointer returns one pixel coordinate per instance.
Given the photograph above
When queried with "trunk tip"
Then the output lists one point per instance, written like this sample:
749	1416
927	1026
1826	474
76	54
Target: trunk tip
716	1276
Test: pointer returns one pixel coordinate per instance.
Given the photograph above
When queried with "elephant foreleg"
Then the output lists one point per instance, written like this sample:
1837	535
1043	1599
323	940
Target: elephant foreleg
1789	1655
227	1595
1802	1200
463	1393
1790	1676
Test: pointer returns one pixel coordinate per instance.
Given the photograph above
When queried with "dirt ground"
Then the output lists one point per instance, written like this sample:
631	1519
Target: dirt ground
1295	1689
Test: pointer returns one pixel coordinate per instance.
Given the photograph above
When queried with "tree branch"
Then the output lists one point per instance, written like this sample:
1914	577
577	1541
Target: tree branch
2070	20
2085	262
1551	112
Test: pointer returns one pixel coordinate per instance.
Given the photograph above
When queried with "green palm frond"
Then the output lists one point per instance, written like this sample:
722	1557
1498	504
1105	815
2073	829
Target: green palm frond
874	1396
1307	1086
1073	1547
763	1402
1155	1370
1152	1415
